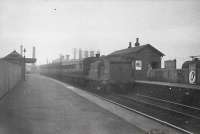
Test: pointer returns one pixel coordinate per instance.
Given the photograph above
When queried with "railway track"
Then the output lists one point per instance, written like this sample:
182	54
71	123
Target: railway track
185	122
194	112
180	117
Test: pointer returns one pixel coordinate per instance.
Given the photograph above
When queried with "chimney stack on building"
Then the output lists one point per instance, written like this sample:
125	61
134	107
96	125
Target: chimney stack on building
33	56
137	42
21	50
129	45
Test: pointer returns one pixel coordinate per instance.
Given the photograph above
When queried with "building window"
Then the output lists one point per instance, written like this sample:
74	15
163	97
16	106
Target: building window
138	65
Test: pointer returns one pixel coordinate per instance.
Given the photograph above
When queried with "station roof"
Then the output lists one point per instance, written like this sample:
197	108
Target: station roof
15	56
135	49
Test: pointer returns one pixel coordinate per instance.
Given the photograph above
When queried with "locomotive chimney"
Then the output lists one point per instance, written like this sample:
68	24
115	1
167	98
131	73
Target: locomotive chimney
137	42
130	45
98	54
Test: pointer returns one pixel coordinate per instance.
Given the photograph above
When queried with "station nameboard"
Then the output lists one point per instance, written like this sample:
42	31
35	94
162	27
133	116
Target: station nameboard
138	65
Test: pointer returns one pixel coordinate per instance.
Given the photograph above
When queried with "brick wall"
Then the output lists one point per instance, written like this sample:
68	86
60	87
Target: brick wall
168	75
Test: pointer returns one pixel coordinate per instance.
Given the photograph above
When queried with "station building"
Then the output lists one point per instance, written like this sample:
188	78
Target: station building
139	58
127	65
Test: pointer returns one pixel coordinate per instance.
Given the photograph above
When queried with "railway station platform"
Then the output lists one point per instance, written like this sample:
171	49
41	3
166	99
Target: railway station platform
178	85
42	105
184	94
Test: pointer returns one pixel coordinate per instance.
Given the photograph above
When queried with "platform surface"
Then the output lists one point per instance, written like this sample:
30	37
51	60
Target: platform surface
41	106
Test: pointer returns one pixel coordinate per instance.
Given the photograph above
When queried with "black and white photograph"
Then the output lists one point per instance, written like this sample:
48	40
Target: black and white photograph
99	67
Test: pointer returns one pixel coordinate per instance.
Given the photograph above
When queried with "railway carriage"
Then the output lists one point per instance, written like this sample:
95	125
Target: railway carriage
120	69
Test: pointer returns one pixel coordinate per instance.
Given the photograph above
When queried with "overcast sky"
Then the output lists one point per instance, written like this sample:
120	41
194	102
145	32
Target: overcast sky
57	26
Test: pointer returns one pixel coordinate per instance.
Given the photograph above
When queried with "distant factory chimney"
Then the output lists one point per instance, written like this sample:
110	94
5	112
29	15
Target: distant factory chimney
85	53
74	53
67	57
129	45
91	53
61	57
98	54
137	42
33	56
80	54
21	49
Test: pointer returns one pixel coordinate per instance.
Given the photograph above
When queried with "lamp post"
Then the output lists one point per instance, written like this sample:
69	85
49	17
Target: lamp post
24	64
